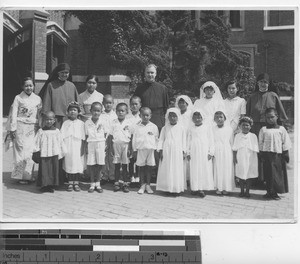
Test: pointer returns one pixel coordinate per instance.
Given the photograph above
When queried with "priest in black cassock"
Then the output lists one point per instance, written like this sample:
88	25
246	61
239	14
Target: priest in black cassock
154	95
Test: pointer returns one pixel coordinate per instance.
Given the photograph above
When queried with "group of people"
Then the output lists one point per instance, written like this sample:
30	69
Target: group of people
206	144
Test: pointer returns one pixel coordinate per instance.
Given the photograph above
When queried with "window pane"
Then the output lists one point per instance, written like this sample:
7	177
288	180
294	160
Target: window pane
235	19
280	18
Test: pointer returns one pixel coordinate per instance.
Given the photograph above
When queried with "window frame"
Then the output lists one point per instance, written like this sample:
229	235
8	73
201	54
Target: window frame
267	27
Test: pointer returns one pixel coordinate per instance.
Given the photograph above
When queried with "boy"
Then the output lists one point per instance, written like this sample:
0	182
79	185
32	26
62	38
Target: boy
144	143
120	135
134	117
274	143
95	129
108	115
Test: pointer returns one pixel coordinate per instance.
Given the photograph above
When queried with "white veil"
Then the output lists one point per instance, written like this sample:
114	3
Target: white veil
217	94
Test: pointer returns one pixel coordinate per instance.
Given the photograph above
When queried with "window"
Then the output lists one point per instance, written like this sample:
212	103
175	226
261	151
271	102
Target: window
279	19
236	20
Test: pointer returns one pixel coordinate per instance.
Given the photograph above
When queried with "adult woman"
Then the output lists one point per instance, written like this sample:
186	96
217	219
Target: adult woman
235	106
264	97
23	127
58	92
89	96
210	101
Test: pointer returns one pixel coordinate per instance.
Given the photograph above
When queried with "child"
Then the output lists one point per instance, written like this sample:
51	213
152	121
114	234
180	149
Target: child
235	106
95	129
210	101
200	151
120	135
172	102
49	135
223	161
109	115
185	105
144	143
245	149
274	144
134	117
23	126
73	134
172	148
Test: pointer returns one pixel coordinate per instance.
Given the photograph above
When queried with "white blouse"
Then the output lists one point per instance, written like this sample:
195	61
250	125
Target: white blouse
235	107
25	108
274	139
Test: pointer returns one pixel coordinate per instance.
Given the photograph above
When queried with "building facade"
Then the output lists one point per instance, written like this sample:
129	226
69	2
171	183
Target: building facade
35	41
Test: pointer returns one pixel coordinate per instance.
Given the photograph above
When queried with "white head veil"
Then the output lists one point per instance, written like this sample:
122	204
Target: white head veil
186	99
172	110
217	94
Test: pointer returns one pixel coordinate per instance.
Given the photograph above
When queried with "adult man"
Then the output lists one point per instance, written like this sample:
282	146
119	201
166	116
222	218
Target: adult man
154	95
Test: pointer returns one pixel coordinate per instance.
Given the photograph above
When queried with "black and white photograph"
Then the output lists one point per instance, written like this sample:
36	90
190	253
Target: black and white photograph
152	118
149	115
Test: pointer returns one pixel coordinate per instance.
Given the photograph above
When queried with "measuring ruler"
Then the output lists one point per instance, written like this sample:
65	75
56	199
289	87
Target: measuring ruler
99	246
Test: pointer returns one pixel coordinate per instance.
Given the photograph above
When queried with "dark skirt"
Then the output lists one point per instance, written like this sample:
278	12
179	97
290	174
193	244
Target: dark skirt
275	173
48	173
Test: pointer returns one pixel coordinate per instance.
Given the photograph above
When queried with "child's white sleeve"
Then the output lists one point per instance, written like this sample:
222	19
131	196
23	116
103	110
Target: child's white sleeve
286	141
261	139
161	139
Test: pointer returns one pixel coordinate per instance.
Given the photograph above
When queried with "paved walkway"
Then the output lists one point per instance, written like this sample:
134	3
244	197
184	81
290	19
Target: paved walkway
26	202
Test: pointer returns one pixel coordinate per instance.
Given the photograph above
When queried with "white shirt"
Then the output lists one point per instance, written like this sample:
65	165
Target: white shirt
120	131
96	131
145	136
109	117
274	139
248	141
86	99
235	107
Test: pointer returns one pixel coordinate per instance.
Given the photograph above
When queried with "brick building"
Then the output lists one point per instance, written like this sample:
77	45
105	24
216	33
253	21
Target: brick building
36	41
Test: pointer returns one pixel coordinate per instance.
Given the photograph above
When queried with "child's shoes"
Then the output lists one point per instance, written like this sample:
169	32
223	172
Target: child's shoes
202	194
91	189
125	188
142	189
117	187
148	189
77	188
70	188
99	189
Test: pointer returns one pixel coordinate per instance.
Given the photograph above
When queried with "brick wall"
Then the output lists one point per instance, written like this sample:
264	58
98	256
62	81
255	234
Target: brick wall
57	16
14	13
280	52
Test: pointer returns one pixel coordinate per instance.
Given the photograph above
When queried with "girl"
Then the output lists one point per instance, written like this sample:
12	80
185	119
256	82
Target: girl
23	127
73	135
96	129
172	148
200	152
89	96
223	162
49	144
245	149
235	106
210	100
185	105
274	144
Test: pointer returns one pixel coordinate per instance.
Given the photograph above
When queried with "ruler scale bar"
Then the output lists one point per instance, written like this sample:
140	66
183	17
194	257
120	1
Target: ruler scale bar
99	246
